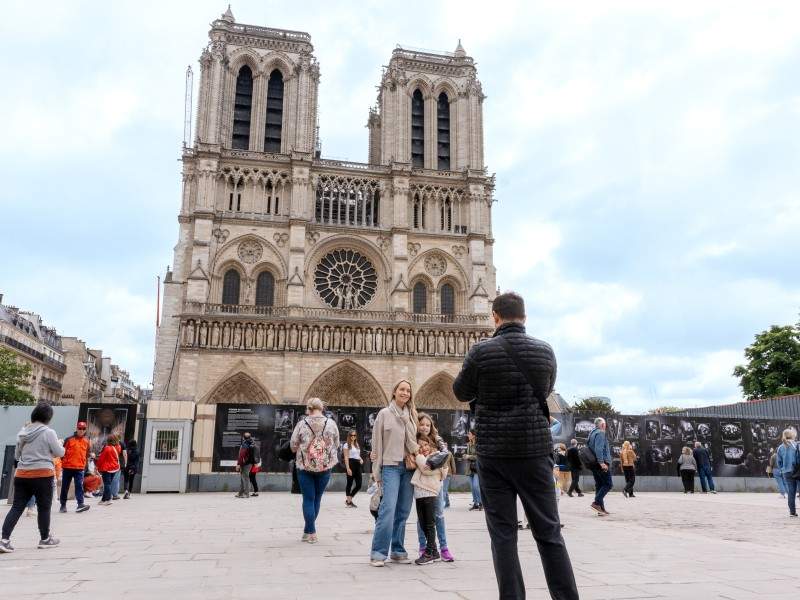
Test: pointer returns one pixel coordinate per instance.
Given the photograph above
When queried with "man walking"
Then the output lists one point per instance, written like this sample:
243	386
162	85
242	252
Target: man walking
243	465
598	442
703	460
575	466
507	379
73	464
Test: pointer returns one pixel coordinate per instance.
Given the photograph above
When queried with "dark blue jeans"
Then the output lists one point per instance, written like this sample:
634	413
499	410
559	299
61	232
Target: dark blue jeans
602	485
108	481
67	477
312	486
704	473
791	492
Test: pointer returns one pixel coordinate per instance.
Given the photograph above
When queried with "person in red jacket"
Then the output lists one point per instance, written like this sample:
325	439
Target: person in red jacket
108	465
76	457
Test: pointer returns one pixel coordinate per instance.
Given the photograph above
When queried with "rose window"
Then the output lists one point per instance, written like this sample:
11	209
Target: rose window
345	279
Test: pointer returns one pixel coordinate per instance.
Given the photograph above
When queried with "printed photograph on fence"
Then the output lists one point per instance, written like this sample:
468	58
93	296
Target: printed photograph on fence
460	425
731	431
284	420
653	430
103	421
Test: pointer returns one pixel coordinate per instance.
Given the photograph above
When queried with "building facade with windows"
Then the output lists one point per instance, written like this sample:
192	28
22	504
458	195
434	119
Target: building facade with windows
296	276
84	380
37	345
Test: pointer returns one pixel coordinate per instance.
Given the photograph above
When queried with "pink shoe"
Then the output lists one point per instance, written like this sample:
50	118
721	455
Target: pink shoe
446	556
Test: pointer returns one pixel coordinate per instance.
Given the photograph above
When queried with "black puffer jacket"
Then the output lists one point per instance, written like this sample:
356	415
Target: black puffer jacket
508	419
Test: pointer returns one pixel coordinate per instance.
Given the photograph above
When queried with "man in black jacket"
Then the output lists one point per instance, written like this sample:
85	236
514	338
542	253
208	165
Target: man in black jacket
575	466
515	447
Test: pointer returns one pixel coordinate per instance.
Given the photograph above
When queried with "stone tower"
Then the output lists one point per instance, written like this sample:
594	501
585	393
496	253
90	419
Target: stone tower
294	275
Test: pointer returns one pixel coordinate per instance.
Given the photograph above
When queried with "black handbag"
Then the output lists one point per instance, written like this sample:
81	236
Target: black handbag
437	460
285	451
588	458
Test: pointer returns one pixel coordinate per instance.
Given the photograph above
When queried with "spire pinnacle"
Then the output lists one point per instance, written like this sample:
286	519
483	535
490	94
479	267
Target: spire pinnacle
228	15
460	50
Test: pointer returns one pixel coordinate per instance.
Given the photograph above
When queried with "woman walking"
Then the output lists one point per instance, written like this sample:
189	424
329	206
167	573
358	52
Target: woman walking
474	483
394	448
787	459
627	459
315	440
354	465
564	473
37	446
687	467
427	430
131	467
108	466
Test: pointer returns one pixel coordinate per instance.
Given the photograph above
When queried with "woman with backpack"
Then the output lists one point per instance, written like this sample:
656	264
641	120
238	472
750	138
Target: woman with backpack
315	440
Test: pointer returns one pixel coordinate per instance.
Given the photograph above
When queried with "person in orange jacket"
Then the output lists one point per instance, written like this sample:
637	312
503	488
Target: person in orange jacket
108	466
76	457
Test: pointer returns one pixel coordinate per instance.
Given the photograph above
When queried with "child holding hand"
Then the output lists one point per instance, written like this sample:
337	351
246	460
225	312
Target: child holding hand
427	483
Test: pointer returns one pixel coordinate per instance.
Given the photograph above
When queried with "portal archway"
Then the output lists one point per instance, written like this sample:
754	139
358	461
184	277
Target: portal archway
347	384
437	393
239	388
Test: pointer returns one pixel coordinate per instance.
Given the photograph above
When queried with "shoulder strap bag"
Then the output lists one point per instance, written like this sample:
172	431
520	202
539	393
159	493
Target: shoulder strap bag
525	373
795	474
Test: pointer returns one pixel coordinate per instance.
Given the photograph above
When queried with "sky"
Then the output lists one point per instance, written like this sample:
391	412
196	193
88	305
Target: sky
647	159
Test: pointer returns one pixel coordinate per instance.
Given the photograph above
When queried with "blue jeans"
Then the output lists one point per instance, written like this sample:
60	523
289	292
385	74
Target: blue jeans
602	485
312	486
66	478
791	492
108	481
115	483
475	485
705	475
781	483
446	491
390	528
440	530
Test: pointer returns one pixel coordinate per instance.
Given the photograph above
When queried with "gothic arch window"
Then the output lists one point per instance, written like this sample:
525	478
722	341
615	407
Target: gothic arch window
447	300
242	107
446	214
272	133
420	298
231	283
419	212
443	132
417	130
265	289
235	196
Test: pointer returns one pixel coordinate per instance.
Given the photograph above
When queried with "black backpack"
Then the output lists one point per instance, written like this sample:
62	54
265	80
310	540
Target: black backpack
256	453
588	457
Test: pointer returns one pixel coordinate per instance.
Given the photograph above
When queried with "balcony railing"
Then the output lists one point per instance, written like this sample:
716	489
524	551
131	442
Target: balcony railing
51	383
335	314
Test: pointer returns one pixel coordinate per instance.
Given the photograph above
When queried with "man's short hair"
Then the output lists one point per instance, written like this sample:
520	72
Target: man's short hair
697	444
509	306
43	413
573	442
599	421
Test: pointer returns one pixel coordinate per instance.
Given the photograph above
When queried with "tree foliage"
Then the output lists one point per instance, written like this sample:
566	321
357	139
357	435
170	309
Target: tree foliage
664	410
595	404
773	364
14	375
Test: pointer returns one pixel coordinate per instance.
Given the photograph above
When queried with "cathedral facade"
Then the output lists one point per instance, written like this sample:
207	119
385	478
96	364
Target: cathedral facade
295	276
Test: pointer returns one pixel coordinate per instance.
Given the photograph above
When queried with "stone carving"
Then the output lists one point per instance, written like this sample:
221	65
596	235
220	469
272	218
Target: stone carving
435	264
221	235
250	251
312	237
459	251
437	393
281	239
216	333
347	384
345	279
384	242
413	249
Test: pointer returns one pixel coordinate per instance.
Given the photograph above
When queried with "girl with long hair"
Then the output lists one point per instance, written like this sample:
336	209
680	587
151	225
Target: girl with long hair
426	429
787	459
394	447
353	464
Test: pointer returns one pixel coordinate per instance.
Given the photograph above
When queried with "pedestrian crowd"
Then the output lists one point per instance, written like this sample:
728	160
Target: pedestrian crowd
510	458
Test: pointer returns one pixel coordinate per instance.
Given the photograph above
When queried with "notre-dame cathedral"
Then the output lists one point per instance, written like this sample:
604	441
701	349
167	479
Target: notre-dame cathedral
296	276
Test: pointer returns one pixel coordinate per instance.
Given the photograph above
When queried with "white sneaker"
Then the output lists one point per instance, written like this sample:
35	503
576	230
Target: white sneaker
377	563
401	560
305	537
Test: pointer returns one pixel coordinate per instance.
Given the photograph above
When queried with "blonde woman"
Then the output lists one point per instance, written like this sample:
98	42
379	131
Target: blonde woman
627	458
315	440
687	467
787	459
394	438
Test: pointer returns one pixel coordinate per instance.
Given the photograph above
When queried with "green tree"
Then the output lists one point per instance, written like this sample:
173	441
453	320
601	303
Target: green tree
14	374
664	410
595	404
773	364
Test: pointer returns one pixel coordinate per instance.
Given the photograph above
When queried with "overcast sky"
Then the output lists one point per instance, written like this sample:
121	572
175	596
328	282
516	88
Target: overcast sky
647	159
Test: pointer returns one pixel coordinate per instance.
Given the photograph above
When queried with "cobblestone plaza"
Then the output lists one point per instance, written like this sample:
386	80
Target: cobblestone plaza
666	546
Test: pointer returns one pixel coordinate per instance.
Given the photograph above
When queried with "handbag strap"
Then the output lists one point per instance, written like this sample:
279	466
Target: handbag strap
525	373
